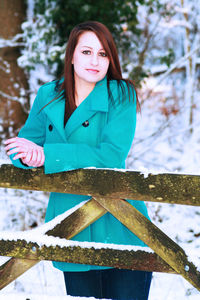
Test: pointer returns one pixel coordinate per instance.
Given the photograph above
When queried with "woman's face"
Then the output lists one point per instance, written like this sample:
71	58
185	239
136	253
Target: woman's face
90	59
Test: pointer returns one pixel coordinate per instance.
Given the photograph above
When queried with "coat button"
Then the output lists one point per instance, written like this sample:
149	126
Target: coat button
86	123
50	127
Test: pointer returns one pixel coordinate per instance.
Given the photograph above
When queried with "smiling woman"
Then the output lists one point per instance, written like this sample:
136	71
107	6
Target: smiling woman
90	63
87	118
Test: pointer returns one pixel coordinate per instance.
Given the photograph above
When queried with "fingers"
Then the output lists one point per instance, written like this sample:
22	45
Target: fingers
15	140
11	145
15	150
28	157
39	156
22	144
16	144
19	155
8	141
25	162
35	158
18	141
30	153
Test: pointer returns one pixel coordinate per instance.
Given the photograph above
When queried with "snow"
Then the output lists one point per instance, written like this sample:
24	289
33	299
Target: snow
57	220
177	23
34	236
8	96
11	43
22	296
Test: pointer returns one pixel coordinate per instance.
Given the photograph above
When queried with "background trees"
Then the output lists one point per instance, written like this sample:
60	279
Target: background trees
13	83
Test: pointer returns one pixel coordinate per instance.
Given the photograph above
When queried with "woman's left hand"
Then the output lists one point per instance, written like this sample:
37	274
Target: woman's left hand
30	153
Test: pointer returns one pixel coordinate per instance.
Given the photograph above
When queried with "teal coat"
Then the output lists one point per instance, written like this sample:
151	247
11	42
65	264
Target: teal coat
104	143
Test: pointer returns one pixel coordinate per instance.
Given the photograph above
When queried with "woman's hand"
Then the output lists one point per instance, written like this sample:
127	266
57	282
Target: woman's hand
30	153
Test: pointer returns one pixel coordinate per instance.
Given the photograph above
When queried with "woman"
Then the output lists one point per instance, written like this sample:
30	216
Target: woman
87	118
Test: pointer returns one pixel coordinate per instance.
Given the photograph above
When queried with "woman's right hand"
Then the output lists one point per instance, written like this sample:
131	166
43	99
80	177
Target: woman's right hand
30	153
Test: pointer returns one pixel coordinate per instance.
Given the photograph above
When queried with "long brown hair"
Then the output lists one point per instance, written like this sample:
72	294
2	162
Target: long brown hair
67	87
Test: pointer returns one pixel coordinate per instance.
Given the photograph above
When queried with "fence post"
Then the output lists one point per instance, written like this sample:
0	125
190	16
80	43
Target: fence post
79	220
166	248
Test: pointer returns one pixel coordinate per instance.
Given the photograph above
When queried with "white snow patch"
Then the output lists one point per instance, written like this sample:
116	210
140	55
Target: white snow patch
57	220
44	240
23	296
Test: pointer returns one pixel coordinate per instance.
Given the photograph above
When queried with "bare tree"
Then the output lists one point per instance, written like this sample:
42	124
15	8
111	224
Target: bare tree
13	83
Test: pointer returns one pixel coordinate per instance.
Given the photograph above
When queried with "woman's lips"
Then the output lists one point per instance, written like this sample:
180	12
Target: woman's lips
92	71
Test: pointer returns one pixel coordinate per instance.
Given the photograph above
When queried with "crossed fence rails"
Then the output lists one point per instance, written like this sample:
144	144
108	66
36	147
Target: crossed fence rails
109	189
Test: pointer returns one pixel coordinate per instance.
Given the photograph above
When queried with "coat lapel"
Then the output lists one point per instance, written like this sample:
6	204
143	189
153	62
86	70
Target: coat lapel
55	112
96	101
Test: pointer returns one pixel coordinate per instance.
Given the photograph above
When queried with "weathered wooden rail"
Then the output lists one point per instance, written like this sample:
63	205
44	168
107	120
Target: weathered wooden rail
108	188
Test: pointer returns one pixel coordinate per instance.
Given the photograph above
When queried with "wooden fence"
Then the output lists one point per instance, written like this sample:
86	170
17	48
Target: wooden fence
109	189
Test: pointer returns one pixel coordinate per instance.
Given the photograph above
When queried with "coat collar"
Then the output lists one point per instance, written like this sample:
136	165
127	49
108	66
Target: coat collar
96	101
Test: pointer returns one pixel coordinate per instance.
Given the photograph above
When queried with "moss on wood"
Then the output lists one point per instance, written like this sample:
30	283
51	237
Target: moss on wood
107	187
164	188
166	248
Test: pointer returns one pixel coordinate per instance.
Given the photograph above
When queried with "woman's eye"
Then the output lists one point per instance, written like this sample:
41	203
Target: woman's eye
103	54
87	52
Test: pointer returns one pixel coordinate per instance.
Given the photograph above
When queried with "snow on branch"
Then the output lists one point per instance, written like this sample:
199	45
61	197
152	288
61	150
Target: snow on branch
178	63
9	97
12	42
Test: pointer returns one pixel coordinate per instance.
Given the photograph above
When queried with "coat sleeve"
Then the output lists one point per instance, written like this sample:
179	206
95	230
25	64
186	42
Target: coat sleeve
115	142
34	128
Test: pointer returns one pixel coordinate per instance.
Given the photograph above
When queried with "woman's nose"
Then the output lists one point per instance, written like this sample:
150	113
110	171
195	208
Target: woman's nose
94	60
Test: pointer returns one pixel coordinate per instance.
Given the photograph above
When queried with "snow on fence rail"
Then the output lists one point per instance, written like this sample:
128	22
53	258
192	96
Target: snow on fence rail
108	188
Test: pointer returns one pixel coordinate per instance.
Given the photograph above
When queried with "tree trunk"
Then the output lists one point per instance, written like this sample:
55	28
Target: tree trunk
13	84
190	67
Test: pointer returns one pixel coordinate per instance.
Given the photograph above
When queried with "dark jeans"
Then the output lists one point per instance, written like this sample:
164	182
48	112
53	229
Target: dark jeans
109	284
